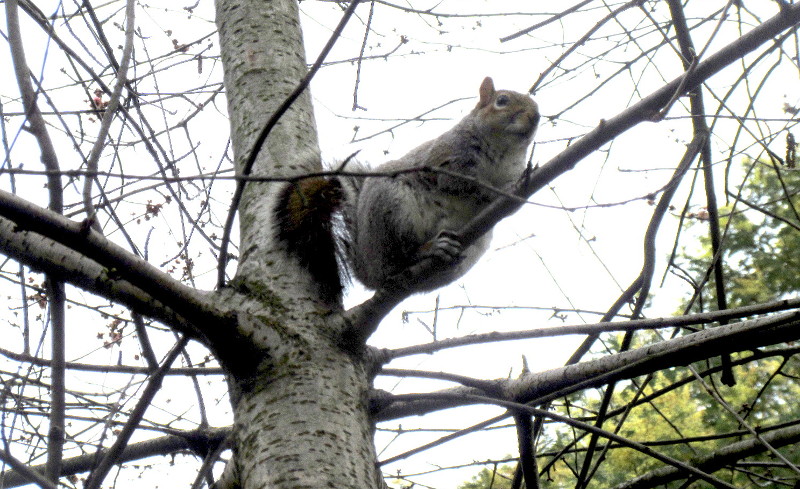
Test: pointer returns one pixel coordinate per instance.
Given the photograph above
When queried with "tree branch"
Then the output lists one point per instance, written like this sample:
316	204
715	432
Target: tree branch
701	129
163	445
56	434
516	406
109	111
540	387
58	260
24	473
55	289
110	457
717	459
119	264
644	282
527	450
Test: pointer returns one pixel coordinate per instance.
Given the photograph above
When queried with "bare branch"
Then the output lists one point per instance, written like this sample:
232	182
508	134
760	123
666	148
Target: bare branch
51	257
25	474
119	263
135	451
674	463
109	112
716	460
113	454
701	128
55	289
537	388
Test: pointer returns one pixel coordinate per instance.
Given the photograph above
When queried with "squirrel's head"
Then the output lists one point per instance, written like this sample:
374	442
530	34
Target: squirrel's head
507	113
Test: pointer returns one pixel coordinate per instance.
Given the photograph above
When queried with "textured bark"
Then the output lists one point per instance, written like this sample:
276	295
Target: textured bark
263	56
301	417
303	422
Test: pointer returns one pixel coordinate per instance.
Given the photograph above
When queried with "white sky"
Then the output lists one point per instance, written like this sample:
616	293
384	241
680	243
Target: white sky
425	74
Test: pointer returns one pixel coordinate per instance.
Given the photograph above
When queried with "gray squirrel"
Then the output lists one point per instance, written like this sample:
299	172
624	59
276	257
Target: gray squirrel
392	221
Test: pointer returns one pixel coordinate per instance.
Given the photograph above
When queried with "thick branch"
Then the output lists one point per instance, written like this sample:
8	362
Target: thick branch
119	264
527	450
716	460
541	387
58	260
192	441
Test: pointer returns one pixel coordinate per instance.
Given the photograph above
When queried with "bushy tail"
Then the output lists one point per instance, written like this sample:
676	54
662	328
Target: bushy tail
314	219
351	180
304	216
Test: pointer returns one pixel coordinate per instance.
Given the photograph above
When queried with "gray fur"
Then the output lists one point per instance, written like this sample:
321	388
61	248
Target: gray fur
393	221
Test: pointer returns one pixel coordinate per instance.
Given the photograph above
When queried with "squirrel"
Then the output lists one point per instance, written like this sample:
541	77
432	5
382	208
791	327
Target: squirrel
391	221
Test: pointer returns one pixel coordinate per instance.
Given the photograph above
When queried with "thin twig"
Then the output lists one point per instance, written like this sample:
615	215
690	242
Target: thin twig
741	421
644	281
714	481
701	127
574	46
359	60
543	23
55	289
109	113
153	386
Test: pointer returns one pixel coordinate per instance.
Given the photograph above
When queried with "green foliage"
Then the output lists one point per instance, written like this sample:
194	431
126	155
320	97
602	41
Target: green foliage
761	234
672	412
496	477
675	418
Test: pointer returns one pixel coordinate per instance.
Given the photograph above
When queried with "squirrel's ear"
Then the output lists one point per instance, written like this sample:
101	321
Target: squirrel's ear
486	92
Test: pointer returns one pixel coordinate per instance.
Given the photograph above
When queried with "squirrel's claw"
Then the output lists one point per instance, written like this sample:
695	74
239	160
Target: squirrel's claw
446	247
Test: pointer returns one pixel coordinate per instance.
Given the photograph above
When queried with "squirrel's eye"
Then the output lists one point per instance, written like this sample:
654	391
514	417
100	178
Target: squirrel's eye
502	101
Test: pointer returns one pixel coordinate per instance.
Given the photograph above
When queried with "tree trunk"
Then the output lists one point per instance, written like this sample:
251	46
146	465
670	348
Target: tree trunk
303	422
299	399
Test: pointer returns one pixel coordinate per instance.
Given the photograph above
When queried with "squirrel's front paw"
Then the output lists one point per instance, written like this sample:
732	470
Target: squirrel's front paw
446	247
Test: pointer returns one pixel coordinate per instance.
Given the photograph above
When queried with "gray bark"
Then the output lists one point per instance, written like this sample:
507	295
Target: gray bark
262	52
300	401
